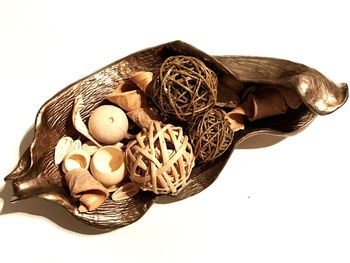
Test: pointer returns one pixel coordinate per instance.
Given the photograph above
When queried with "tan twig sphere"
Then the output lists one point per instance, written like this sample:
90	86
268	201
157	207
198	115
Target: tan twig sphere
210	135
185	87
160	159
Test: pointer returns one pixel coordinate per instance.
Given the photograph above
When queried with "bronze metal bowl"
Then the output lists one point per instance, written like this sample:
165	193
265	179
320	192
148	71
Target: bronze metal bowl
36	175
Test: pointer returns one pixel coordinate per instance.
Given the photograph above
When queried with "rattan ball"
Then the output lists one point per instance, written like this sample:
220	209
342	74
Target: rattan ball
160	159
210	135
184	88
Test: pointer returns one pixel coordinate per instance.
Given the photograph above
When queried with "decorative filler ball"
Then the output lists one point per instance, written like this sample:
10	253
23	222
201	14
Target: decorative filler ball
184	88
160	159
210	135
108	124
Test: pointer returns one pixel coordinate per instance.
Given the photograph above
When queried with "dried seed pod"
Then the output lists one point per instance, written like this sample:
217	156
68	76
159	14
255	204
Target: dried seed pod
90	147
126	191
141	79
78	123
76	158
77	145
63	146
128	96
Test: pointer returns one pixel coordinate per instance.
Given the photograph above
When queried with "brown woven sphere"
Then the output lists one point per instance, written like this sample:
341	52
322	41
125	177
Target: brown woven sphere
184	88
160	159
210	135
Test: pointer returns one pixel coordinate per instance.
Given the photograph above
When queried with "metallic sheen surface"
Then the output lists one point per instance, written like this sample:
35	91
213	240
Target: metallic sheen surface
37	175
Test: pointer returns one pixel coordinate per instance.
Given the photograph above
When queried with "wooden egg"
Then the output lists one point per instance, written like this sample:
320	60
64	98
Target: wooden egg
107	166
108	124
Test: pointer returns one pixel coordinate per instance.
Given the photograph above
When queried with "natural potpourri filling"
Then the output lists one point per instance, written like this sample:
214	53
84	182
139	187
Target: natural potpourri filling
181	124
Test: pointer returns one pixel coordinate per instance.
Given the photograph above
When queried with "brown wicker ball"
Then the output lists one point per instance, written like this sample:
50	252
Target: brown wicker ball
210	135
184	88
160	159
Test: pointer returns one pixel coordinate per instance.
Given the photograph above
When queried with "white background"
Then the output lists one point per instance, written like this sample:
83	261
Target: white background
289	202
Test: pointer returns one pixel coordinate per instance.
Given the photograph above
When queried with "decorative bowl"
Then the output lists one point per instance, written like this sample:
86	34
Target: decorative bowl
36	174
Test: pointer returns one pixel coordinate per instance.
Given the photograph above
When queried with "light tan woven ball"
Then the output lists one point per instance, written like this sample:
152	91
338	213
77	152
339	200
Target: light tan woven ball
160	159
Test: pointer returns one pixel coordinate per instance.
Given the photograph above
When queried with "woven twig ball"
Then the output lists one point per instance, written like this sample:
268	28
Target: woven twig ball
160	159
210	135
185	87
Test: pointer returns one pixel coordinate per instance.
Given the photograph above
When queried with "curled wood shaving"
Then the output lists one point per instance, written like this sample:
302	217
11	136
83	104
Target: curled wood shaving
78	121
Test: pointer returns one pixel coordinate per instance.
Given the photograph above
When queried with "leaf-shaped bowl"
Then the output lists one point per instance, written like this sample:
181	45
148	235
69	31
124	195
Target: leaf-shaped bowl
36	175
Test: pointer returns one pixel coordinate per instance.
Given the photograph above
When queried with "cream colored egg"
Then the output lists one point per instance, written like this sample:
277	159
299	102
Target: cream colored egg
108	124
107	166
